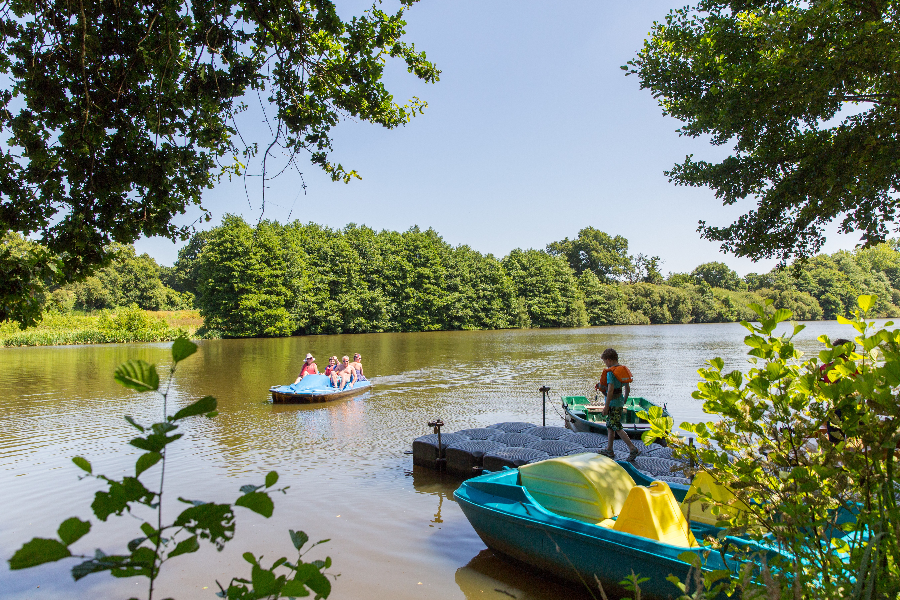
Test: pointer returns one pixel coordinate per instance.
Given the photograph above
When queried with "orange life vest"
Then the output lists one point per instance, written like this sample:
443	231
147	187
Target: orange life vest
620	372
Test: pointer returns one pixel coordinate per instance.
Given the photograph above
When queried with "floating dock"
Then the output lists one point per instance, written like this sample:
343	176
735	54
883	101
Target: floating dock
468	452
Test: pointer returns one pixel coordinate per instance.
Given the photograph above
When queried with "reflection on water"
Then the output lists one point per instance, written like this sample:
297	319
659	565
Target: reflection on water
394	532
491	576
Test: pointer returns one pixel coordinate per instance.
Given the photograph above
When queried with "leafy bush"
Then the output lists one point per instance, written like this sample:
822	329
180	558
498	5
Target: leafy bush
828	509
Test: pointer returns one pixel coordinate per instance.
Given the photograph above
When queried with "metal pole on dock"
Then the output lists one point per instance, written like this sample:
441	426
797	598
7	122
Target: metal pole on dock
544	390
440	461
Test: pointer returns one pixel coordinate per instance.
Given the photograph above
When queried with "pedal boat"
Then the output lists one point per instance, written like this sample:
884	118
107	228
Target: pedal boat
582	416
584	516
316	388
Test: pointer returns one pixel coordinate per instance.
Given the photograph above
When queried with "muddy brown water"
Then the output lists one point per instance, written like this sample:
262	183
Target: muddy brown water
395	531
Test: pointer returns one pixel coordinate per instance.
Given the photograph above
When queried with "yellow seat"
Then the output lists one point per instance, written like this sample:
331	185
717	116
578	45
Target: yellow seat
701	510
653	512
588	487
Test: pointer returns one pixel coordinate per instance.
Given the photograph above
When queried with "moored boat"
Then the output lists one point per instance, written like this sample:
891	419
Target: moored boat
316	388
583	416
584	516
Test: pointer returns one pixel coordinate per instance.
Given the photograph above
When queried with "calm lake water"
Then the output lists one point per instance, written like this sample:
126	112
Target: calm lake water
395	531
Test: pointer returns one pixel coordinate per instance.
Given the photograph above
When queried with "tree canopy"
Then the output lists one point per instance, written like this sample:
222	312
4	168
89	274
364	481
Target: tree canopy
807	93
597	251
116	116
272	279
718	274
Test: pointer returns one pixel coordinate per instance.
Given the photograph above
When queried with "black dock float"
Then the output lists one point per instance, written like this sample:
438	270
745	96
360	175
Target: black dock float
468	452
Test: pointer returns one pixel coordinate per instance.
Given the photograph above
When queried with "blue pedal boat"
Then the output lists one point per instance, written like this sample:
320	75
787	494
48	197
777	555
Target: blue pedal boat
585	516
316	388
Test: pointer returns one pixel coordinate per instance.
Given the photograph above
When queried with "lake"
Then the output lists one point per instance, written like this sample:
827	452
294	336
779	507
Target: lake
395	532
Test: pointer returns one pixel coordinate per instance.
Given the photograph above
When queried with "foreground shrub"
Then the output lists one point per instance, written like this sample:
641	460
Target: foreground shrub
829	509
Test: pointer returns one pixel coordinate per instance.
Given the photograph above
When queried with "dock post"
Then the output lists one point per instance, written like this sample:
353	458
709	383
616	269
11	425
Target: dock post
440	461
544	390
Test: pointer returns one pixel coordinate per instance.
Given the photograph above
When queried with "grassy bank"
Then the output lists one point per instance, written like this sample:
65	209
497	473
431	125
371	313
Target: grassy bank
105	327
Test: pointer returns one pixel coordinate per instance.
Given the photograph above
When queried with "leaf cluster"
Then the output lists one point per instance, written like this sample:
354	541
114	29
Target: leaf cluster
117	116
826	510
806	94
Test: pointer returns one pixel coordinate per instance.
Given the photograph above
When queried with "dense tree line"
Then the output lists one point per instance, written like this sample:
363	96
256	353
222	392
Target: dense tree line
278	280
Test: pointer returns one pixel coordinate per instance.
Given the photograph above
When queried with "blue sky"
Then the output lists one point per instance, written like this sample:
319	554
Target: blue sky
533	133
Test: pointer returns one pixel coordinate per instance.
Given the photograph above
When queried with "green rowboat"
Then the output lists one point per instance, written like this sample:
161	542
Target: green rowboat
581	416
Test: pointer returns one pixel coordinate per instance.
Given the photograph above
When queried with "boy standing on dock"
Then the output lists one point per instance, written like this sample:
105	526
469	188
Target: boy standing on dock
615	383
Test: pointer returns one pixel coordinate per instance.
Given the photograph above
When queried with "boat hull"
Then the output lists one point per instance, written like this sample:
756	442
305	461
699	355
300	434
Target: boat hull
509	521
315	389
578	423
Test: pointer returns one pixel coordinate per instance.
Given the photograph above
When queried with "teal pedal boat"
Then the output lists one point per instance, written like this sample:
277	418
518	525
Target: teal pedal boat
584	516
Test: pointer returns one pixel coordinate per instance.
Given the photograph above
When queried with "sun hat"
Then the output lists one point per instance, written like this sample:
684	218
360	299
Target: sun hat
308	356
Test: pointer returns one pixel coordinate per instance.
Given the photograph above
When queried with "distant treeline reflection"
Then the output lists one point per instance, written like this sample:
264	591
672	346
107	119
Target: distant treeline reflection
279	280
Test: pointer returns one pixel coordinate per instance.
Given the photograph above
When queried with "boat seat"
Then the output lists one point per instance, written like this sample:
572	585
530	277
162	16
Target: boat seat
575	400
700	510
588	487
654	513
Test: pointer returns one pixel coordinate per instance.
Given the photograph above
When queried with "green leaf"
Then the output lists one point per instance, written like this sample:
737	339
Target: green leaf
782	314
133	544
211	521
185	546
137	375
319	584
154	442
865	302
258	502
305	571
73	529
294	589
134	423
692	558
91	566
205	404
148	529
271	478
263	580
298	538
182	348
83	464
754	341
37	552
119	496
139	564
145	462
248	556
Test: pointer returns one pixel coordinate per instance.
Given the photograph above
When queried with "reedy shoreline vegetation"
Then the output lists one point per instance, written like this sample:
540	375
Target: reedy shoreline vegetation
129	324
280	280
